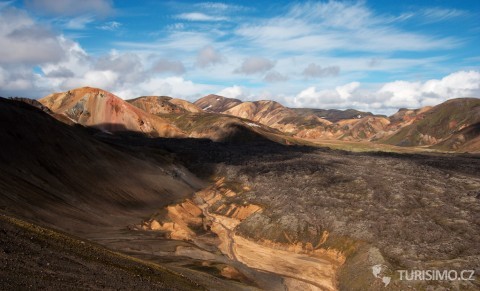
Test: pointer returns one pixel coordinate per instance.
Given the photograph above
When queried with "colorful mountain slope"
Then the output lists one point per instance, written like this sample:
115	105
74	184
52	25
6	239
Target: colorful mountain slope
332	115
215	103
163	105
440	124
101	109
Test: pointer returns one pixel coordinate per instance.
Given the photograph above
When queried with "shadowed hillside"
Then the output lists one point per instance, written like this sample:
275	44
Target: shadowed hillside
441	123
52	170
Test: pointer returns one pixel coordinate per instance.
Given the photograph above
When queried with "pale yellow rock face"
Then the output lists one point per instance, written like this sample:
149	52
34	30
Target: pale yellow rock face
266	112
302	265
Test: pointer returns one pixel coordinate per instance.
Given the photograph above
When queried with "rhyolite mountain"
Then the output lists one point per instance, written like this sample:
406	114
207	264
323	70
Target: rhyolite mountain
198	123
333	115
103	110
269	113
450	126
216	103
163	105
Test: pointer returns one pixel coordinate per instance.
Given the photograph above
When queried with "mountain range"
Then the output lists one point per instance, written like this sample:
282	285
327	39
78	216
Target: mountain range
97	192
450	126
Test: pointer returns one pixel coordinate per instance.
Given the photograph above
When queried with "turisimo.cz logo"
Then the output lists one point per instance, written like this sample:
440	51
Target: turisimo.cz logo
377	272
437	275
424	275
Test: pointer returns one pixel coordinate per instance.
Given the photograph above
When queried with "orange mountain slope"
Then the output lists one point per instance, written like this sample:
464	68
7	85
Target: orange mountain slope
101	109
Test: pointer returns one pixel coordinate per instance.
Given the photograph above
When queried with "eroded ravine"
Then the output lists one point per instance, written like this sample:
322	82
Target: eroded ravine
300	270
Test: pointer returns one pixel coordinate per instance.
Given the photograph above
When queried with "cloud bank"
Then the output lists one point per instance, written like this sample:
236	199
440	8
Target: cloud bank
392	95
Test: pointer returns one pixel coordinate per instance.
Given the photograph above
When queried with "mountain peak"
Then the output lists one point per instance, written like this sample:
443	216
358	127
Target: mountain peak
164	105
216	103
101	109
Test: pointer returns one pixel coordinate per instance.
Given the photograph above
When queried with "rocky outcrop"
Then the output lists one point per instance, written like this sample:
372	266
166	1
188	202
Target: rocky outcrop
303	265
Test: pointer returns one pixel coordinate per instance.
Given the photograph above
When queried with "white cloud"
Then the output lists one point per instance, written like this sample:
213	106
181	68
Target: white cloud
281	28
235	91
170	86
26	42
71	7
334	14
60	72
332	25
180	41
16	81
333	34
220	7
347	90
128	66
121	63
392	95
253	65
439	14
208	56
110	26
198	16
168	66
274	77
79	22
76	59
102	79
175	26
310	97
315	71
431	92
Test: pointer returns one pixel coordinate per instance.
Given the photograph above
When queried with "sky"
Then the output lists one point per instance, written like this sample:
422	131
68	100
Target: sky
377	56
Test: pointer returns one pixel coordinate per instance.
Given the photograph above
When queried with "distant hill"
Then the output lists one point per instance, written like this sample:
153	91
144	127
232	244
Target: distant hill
302	123
332	115
215	103
163	104
450	125
427	126
101	109
266	112
197	123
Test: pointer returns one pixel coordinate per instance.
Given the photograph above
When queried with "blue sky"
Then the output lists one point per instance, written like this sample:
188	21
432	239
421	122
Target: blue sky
369	55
